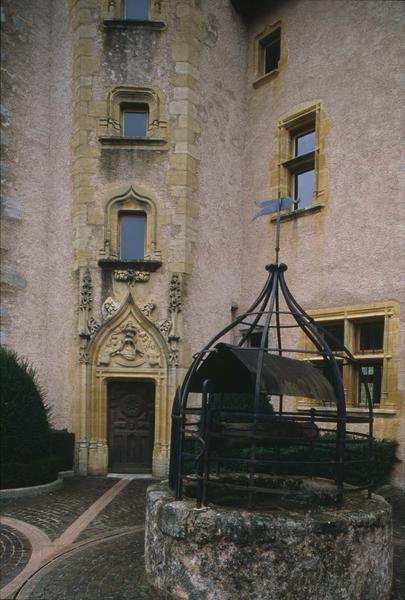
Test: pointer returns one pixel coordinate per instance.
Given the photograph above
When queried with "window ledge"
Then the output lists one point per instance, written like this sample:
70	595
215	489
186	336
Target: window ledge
265	78
300	212
134	24
351	410
137	265
146	143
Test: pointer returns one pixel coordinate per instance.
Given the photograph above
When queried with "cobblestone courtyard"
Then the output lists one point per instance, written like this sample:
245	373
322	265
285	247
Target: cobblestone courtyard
85	541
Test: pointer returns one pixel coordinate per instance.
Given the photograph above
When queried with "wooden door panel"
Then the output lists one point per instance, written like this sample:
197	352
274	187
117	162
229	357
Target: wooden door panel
130	425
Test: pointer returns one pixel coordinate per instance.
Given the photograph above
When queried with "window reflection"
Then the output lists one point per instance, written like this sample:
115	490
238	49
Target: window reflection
305	143
136	9
132	236
304	188
134	123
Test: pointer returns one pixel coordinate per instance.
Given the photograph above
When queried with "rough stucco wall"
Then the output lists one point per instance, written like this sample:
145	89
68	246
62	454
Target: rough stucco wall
215	281
348	56
36	95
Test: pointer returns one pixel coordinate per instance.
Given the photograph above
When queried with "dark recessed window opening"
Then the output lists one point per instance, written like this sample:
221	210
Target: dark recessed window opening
255	339
370	373
134	122
132	236
136	9
271	51
371	336
336	330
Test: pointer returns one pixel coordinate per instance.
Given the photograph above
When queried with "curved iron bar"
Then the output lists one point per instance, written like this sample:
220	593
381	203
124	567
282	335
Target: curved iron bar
196	363
269	298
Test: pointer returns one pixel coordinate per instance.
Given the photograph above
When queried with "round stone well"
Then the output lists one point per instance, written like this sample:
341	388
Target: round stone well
306	550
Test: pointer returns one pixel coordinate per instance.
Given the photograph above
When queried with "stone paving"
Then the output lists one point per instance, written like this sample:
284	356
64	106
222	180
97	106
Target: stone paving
92	539
53	512
15	550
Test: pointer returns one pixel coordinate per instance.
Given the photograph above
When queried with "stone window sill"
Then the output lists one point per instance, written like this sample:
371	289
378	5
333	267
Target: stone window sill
355	410
137	265
300	212
146	143
265	78
133	24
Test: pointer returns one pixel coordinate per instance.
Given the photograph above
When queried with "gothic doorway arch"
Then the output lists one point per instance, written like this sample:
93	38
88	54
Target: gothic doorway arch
128	348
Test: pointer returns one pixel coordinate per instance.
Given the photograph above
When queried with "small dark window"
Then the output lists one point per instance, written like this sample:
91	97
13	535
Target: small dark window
371	336
136	9
134	123
132	236
255	339
335	339
371	374
270	46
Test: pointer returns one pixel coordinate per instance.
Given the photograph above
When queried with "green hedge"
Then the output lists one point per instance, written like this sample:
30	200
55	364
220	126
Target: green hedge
356	473
35	472
24	428
62	444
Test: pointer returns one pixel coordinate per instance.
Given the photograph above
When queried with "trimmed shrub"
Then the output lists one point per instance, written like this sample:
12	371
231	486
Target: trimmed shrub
36	472
62	443
356	473
24	427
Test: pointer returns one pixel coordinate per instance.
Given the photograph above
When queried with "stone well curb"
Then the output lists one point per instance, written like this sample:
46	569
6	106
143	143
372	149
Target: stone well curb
36	490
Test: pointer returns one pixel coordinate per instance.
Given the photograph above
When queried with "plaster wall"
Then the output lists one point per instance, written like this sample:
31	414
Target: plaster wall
36	236
214	283
347	55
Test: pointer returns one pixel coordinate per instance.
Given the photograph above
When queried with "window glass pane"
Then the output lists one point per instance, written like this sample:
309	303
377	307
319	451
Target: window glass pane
305	143
371	335
335	329
134	123
370	373
304	188
271	49
132	236
136	9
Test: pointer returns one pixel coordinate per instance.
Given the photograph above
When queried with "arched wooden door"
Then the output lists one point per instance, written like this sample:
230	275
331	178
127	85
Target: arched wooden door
131	421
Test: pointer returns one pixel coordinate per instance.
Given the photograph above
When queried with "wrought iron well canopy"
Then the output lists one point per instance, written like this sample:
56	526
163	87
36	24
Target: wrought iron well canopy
236	425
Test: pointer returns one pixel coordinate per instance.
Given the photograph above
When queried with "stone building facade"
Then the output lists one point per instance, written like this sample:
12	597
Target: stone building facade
221	92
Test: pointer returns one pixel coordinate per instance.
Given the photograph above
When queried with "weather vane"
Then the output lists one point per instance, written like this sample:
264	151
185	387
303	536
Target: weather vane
276	205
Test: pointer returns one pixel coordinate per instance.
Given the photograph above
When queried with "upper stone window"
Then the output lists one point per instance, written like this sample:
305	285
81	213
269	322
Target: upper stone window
303	170
135	9
139	14
135	117
270	52
132	236
299	166
134	122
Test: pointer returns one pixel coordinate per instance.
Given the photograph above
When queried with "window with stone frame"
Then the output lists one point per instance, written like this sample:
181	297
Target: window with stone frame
135	9
132	234
269	52
134	120
135	117
368	332
128	14
300	166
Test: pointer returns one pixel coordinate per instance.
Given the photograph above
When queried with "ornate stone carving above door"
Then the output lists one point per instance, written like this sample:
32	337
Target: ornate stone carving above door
129	346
